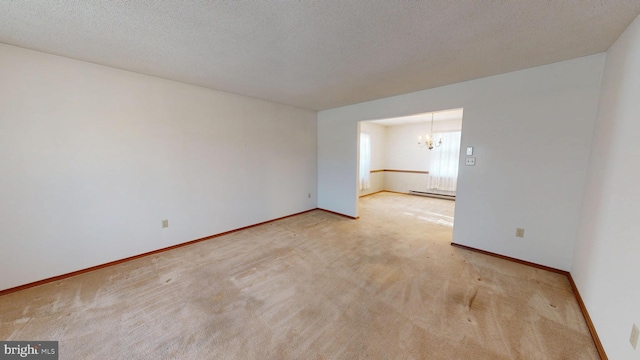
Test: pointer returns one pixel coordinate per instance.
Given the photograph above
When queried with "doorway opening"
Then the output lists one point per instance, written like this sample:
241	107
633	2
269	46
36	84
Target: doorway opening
412	155
417	154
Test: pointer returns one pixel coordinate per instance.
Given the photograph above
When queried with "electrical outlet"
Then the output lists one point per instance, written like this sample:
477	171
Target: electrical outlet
165	224
470	161
520	232
634	336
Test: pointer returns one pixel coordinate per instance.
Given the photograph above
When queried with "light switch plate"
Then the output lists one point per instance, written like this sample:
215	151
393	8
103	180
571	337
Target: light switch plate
469	150
470	161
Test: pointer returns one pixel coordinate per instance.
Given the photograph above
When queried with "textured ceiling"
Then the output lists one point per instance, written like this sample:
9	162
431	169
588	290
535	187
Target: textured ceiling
317	54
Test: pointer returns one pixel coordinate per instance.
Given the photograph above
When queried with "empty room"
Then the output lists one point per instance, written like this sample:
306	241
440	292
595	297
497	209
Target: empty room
220	180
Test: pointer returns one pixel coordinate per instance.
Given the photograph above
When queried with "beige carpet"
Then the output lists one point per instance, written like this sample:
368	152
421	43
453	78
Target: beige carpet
313	286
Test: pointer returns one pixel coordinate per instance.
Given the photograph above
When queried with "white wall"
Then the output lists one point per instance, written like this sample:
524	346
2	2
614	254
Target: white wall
338	166
378	136
606	263
93	158
403	153
531	132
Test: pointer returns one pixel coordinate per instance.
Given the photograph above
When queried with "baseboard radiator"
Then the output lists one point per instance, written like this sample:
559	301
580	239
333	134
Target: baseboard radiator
432	194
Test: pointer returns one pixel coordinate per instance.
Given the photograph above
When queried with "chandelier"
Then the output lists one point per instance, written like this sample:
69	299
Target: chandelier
428	141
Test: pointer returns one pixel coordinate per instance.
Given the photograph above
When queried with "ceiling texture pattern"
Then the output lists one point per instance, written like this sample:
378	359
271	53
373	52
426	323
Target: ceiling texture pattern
317	54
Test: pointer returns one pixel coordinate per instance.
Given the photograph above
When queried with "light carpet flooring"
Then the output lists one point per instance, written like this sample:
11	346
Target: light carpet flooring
312	286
